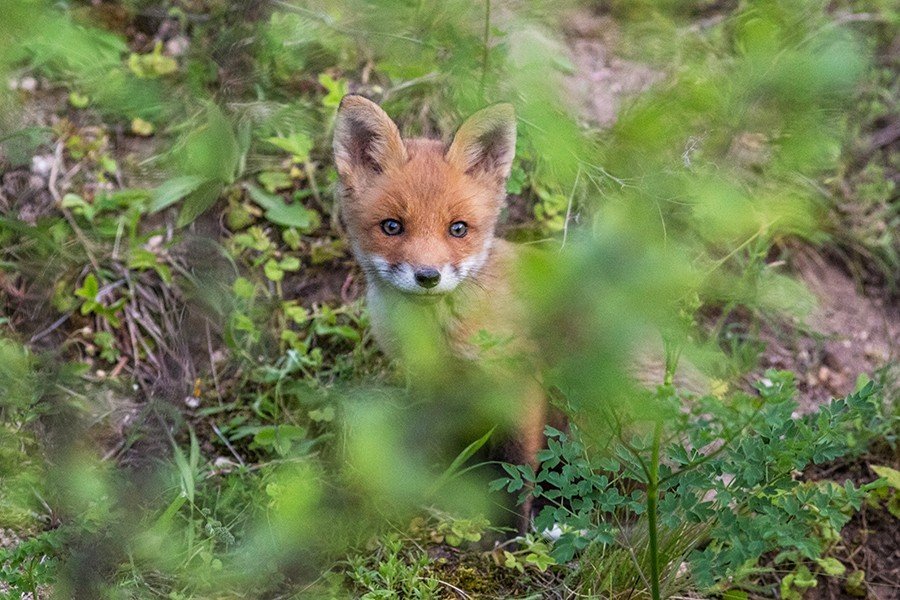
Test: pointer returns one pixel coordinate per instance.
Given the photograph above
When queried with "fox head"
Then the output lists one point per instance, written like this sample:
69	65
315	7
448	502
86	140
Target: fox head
421	214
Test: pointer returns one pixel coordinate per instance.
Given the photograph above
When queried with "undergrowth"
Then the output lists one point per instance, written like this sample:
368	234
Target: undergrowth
191	403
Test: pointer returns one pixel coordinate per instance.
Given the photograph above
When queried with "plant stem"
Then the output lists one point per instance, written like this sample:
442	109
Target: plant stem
485	51
652	498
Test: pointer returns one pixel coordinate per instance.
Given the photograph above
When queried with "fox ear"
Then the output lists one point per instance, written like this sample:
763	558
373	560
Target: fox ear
366	140
486	143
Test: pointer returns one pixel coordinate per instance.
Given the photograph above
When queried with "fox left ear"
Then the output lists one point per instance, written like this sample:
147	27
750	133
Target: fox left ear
486	143
366	141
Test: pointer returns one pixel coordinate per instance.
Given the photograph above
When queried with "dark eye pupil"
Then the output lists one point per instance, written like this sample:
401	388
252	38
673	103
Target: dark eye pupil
458	229
391	227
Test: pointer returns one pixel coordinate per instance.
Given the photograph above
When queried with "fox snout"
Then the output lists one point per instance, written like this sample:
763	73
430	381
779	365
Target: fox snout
413	279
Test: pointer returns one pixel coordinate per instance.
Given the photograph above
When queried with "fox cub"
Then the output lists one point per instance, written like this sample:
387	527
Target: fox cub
420	216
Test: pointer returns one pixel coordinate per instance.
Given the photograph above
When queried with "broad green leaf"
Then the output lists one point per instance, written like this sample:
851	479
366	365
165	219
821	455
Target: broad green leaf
173	190
831	566
79	206
288	215
211	151
289	263
273	181
892	476
199	201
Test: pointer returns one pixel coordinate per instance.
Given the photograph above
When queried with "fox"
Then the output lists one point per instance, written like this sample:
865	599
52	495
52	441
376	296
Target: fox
420	216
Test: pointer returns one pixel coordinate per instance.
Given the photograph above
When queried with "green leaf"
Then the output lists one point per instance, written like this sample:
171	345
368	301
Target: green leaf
295	313
343	331
199	201
831	566
78	100
892	476
186	474
152	65
243	288
289	263
273	181
298	144
325	414
856	584
541	561
89	288
461	459
164	522
142	127
173	190
79	206
272	270
211	151
279	437
337	89
288	215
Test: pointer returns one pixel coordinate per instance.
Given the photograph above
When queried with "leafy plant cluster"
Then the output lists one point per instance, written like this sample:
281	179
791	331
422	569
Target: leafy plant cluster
730	498
225	211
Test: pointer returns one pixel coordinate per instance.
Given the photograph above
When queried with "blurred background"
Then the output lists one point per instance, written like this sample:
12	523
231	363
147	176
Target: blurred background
191	402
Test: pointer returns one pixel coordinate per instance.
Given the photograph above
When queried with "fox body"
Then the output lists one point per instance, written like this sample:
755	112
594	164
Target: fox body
421	216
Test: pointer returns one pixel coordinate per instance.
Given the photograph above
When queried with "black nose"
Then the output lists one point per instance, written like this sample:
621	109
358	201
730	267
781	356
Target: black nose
428	277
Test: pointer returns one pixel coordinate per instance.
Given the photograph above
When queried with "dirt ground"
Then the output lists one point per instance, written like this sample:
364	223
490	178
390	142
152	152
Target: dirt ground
849	333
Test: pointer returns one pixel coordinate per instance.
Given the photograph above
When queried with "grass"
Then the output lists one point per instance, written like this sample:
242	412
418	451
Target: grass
192	403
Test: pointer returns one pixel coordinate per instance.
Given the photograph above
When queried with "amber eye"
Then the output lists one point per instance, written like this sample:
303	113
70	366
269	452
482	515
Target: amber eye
392	227
459	229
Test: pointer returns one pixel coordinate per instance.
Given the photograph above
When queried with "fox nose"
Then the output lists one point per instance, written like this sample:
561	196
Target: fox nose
428	277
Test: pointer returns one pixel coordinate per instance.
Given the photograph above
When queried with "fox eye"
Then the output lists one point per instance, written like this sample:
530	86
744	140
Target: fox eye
459	229
392	227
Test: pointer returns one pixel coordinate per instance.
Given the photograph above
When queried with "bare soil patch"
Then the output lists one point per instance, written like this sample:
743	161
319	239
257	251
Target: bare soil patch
849	333
602	81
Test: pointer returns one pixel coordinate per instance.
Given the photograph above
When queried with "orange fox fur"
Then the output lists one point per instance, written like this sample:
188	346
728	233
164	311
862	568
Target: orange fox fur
402	202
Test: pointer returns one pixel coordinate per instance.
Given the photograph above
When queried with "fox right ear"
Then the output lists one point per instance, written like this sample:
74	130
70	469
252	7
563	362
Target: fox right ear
485	144
366	140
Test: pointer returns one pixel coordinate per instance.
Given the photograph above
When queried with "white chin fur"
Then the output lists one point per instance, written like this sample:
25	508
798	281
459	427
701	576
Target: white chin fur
402	276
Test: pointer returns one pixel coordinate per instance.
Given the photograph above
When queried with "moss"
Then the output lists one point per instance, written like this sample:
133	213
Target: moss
476	574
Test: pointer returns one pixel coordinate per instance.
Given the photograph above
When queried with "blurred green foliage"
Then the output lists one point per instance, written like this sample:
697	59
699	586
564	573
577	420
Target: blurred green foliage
261	467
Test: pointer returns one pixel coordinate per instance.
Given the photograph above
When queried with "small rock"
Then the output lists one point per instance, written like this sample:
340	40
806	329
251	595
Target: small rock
177	46
28	84
42	164
154	243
